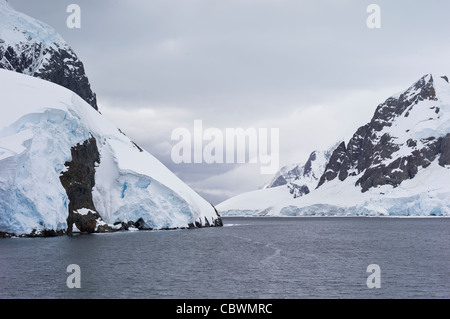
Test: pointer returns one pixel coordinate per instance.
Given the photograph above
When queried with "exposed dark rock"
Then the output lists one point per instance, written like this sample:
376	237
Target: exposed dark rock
123	226
6	235
215	222
65	69
218	221
55	62
105	228
297	190
45	233
280	181
312	170
141	225
86	223
308	166
36	234
126	226
137	146
444	159
335	165
78	180
369	153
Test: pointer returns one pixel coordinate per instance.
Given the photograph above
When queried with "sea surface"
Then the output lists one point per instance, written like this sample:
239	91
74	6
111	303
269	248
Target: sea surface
267	258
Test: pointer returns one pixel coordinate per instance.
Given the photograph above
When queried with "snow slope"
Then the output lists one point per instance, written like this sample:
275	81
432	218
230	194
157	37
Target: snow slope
413	197
39	124
262	202
409	131
18	28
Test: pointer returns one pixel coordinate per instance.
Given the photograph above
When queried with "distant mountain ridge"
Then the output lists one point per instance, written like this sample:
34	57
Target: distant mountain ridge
385	152
397	164
300	179
33	48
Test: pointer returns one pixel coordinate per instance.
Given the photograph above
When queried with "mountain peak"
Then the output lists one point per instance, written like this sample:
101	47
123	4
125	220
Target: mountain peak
405	134
32	47
301	178
397	164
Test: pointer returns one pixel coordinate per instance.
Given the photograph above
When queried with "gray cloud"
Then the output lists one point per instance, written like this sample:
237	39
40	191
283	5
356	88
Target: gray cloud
311	68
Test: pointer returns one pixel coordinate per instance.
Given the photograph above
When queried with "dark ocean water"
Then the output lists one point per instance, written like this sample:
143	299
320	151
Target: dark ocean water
267	258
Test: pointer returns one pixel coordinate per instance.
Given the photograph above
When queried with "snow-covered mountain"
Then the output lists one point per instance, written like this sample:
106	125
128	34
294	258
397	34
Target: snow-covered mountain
63	167
397	164
31	47
300	179
289	182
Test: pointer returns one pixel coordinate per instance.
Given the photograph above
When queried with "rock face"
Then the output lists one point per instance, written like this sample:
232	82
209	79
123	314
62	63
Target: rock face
301	178
30	47
298	191
79	180
386	151
444	159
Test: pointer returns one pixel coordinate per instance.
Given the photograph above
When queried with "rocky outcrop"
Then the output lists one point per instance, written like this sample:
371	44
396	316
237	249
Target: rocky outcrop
279	181
298	190
401	169
302	178
78	180
37	50
371	152
215	222
444	159
335	165
61	67
65	69
35	234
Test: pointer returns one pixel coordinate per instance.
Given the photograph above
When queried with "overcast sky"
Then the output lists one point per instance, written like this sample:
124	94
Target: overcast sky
313	69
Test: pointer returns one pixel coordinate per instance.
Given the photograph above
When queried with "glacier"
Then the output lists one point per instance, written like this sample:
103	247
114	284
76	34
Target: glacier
41	122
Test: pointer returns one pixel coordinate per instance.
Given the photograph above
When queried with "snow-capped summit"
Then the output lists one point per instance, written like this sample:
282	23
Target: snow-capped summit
289	183
397	164
407	132
63	167
32	47
300	179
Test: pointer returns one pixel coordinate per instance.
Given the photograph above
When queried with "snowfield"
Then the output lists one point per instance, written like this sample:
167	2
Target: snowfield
39	124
